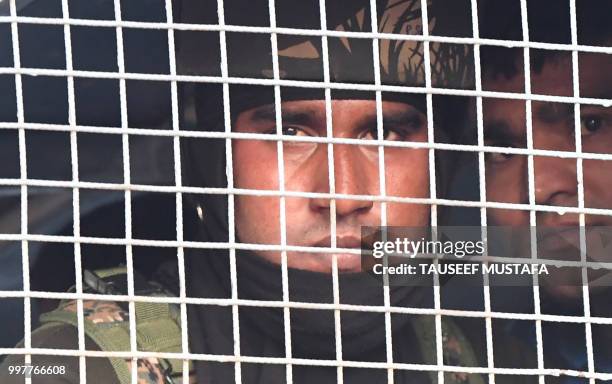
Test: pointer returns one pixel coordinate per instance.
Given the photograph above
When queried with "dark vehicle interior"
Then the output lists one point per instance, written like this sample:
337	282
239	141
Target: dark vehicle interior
50	210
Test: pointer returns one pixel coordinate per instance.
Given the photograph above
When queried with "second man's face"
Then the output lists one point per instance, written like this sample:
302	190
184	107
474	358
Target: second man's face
356	171
555	179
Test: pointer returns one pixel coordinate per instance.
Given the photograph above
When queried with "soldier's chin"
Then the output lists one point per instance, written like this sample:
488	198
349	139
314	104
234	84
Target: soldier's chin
323	262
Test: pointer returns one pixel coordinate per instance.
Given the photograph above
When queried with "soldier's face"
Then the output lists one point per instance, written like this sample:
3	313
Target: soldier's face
555	178
306	169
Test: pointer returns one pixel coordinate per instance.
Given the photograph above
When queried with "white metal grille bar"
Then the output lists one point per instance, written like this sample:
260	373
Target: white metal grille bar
382	183
482	185
300	84
332	189
311	195
272	247
125	141
23	174
269	247
230	197
305	305
432	184
322	363
302	32
580	187
531	180
76	206
289	248
178	181
281	187
304	139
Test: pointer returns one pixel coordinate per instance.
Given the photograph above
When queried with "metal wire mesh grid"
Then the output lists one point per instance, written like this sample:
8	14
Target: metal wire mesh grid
125	132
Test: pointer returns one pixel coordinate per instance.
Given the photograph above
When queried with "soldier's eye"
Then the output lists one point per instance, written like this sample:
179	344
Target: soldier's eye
389	134
495	157
498	157
293	131
289	130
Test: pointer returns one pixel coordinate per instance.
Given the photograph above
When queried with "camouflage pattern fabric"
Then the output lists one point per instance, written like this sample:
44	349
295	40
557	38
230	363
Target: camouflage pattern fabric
150	371
105	315
452	352
100	311
456	349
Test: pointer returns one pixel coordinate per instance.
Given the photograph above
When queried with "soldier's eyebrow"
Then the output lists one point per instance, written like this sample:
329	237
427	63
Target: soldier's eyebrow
301	116
554	112
499	132
410	117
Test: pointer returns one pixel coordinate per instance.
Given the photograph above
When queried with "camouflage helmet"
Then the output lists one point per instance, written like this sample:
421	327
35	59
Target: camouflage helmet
300	57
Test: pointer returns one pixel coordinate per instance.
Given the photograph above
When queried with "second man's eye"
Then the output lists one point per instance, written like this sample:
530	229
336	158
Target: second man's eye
591	124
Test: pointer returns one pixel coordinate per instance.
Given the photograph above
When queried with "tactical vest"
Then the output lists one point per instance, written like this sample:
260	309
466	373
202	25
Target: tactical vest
158	329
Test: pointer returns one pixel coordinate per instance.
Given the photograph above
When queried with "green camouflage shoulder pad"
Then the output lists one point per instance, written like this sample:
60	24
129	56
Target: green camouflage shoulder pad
158	329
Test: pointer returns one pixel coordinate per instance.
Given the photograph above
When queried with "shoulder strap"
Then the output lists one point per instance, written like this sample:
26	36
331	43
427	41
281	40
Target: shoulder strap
456	349
158	326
